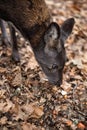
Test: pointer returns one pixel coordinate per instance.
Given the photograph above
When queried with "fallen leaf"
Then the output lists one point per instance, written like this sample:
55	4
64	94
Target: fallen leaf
3	120
81	126
69	123
28	126
2	70
33	110
17	81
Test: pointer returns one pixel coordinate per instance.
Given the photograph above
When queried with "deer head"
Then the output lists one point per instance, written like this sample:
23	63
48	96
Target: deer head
51	54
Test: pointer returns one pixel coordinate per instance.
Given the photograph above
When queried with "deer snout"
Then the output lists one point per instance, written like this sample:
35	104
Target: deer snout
58	83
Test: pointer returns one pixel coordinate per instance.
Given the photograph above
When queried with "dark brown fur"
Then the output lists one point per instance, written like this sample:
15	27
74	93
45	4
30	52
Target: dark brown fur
31	17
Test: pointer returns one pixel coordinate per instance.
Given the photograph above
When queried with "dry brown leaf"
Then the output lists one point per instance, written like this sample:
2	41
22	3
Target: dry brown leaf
16	69
2	70
76	7
28	109
15	109
81	126
69	123
8	105
20	115
78	62
3	120
28	126
2	82
2	105
66	86
2	92
32	64
38	111
17	81
33	110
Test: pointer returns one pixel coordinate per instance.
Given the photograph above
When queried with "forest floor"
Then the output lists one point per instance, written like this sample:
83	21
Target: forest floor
27	100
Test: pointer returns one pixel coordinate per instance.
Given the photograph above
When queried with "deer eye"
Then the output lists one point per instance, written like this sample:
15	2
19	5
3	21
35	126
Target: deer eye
54	66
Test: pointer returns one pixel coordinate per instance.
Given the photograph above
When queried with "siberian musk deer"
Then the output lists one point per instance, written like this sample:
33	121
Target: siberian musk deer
47	38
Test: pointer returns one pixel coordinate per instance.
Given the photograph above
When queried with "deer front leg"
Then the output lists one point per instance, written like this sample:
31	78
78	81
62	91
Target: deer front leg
15	54
5	36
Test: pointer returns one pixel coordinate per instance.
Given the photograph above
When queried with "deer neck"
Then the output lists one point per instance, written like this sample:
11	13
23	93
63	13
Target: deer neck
36	32
31	18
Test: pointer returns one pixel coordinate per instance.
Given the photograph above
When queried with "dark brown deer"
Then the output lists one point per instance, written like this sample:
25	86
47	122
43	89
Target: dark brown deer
47	39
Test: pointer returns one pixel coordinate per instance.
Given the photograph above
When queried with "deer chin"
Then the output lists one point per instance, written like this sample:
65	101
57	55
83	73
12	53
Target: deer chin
57	83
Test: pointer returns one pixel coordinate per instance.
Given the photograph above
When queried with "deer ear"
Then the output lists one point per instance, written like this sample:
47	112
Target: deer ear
67	27
52	34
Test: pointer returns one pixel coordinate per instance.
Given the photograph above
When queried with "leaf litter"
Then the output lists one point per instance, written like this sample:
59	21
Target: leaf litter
27	100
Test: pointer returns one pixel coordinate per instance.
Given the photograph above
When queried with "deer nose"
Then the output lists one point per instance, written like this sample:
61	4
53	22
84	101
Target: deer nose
58	83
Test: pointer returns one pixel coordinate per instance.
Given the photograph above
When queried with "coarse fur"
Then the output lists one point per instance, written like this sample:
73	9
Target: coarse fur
47	38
